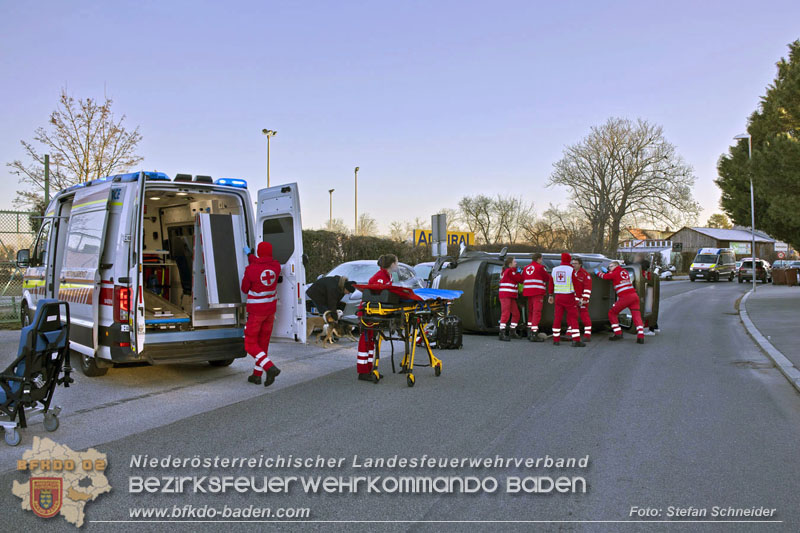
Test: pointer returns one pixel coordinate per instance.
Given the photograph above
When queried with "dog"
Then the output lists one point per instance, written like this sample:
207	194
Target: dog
329	328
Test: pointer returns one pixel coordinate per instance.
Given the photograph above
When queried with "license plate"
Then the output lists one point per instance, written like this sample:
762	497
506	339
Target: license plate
699	275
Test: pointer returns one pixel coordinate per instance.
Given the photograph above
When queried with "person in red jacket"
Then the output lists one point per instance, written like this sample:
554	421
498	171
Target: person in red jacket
626	297
583	291
534	287
366	342
562	284
509	288
260	284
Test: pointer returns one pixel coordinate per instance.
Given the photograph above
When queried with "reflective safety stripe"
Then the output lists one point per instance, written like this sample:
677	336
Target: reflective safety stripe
587	294
261	300
265	293
533	282
514	324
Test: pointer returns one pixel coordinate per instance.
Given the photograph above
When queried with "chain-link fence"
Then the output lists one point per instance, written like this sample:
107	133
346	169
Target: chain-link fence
17	231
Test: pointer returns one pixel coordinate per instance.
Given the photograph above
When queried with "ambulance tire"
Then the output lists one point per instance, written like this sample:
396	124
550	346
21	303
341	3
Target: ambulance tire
89	366
221	362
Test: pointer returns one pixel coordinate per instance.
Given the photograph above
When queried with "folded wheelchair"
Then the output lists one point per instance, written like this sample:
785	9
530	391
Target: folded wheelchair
28	384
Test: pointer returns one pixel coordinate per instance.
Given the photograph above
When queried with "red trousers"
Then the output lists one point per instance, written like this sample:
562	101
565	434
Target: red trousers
583	314
535	304
366	352
629	299
508	309
257	333
566	302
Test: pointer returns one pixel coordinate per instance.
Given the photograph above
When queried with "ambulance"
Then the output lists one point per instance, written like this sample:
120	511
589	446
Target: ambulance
151	266
713	264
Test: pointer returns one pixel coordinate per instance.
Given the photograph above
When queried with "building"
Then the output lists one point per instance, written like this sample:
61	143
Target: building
636	240
738	238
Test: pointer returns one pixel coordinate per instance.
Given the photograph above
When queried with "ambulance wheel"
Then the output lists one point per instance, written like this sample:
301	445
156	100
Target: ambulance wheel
410	380
50	422
89	366
12	437
437	370
221	362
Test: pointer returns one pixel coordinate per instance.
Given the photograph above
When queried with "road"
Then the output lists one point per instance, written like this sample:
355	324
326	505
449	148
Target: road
695	417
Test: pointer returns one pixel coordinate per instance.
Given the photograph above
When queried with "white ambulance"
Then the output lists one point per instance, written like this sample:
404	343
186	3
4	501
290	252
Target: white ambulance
152	267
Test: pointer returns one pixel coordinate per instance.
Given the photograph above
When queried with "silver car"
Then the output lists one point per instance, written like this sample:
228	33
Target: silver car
361	271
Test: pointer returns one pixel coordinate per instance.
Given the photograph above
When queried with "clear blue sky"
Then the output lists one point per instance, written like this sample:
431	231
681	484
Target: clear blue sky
433	100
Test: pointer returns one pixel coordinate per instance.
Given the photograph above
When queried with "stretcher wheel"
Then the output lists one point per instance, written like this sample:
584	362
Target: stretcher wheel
377	376
410	380
50	422
437	370
12	437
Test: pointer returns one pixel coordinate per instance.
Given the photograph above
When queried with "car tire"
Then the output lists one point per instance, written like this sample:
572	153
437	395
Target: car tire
691	278
89	366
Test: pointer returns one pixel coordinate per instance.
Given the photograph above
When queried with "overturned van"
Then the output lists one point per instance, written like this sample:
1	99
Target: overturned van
151	266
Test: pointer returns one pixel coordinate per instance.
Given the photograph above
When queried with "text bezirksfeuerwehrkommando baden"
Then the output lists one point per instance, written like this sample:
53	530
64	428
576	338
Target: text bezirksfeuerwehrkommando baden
393	482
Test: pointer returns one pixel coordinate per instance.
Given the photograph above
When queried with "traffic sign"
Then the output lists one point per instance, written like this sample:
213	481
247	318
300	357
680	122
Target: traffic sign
781	255
781	247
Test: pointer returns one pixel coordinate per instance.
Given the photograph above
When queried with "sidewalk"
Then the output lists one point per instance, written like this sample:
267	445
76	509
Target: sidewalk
772	315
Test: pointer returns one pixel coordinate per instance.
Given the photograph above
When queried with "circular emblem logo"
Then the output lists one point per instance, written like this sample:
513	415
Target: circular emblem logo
268	277
529	270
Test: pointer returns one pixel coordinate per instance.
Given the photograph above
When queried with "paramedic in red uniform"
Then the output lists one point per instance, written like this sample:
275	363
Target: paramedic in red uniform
366	342
583	291
626	297
534	288
260	283
509	288
562	284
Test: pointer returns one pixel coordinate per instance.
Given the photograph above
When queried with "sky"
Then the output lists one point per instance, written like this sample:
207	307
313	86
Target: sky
432	100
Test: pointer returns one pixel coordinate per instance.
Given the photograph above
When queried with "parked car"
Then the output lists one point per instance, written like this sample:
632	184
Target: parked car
763	271
424	270
361	271
786	263
478	275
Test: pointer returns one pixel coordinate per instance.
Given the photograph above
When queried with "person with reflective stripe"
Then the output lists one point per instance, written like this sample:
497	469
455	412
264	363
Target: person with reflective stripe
562	284
583	291
509	288
260	284
626	297
534	287
366	342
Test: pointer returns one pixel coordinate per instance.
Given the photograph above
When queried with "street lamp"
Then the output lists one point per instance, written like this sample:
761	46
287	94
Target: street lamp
355	224
330	212
752	202
269	134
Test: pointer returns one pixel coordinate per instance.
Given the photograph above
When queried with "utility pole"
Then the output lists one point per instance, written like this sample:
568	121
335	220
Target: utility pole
355	224
330	212
752	203
269	134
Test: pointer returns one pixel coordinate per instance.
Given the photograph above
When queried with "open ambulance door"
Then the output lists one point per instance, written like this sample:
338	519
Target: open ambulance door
79	281
136	315
278	222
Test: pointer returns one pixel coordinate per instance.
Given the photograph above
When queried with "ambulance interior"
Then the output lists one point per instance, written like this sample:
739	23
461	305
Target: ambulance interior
169	262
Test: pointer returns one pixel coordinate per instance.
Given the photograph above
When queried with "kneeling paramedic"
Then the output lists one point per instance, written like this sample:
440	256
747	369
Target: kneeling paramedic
562	284
260	283
626	297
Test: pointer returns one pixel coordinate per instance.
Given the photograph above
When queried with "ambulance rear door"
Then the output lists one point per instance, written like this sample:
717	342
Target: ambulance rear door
278	222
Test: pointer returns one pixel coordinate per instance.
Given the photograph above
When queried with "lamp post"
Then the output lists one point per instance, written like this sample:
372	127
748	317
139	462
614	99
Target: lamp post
752	201
355	222
269	134
330	212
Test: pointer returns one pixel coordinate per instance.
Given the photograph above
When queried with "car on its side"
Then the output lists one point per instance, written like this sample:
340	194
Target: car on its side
359	272
477	274
763	271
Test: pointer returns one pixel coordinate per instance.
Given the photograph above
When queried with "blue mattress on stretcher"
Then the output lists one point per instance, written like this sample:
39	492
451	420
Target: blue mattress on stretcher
435	294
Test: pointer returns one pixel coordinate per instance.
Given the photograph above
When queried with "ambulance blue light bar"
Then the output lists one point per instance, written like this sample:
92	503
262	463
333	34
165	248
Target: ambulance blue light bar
232	182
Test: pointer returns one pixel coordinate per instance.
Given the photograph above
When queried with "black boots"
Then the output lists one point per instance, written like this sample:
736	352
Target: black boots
615	338
252	378
533	336
514	334
367	377
272	373
578	344
640	341
504	335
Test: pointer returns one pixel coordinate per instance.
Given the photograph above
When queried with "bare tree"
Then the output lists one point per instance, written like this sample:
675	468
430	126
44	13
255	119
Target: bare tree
626	169
367	226
85	141
512	215
398	231
337	225
476	212
559	229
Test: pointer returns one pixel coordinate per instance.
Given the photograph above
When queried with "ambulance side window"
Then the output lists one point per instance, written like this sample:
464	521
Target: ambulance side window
279	232
39	256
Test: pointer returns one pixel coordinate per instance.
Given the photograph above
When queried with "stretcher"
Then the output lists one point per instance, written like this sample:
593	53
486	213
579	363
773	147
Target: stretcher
399	313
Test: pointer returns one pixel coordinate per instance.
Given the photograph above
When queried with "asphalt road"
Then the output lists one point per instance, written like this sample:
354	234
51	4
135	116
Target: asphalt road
695	417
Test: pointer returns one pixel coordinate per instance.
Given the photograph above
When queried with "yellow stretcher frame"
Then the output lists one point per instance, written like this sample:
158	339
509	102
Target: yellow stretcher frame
379	317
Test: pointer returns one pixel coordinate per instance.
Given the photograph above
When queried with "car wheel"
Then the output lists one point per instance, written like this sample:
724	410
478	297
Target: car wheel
691	278
89	366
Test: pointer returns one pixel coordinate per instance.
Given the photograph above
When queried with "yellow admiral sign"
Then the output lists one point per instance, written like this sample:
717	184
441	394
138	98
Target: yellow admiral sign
423	237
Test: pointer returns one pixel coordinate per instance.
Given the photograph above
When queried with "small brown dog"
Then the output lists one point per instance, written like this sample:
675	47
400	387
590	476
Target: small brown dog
330	329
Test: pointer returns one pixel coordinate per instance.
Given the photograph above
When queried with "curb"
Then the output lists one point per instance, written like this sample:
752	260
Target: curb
786	367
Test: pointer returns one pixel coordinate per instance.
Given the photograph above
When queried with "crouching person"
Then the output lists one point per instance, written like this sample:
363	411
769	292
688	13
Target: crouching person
260	284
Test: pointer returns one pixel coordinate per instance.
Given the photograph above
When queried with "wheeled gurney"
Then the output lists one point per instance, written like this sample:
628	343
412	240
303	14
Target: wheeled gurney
391	310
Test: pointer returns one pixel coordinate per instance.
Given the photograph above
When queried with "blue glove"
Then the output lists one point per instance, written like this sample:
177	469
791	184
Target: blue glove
519	270
247	250
596	271
605	270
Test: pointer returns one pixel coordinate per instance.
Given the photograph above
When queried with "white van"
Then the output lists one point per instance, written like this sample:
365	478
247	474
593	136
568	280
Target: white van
152	267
